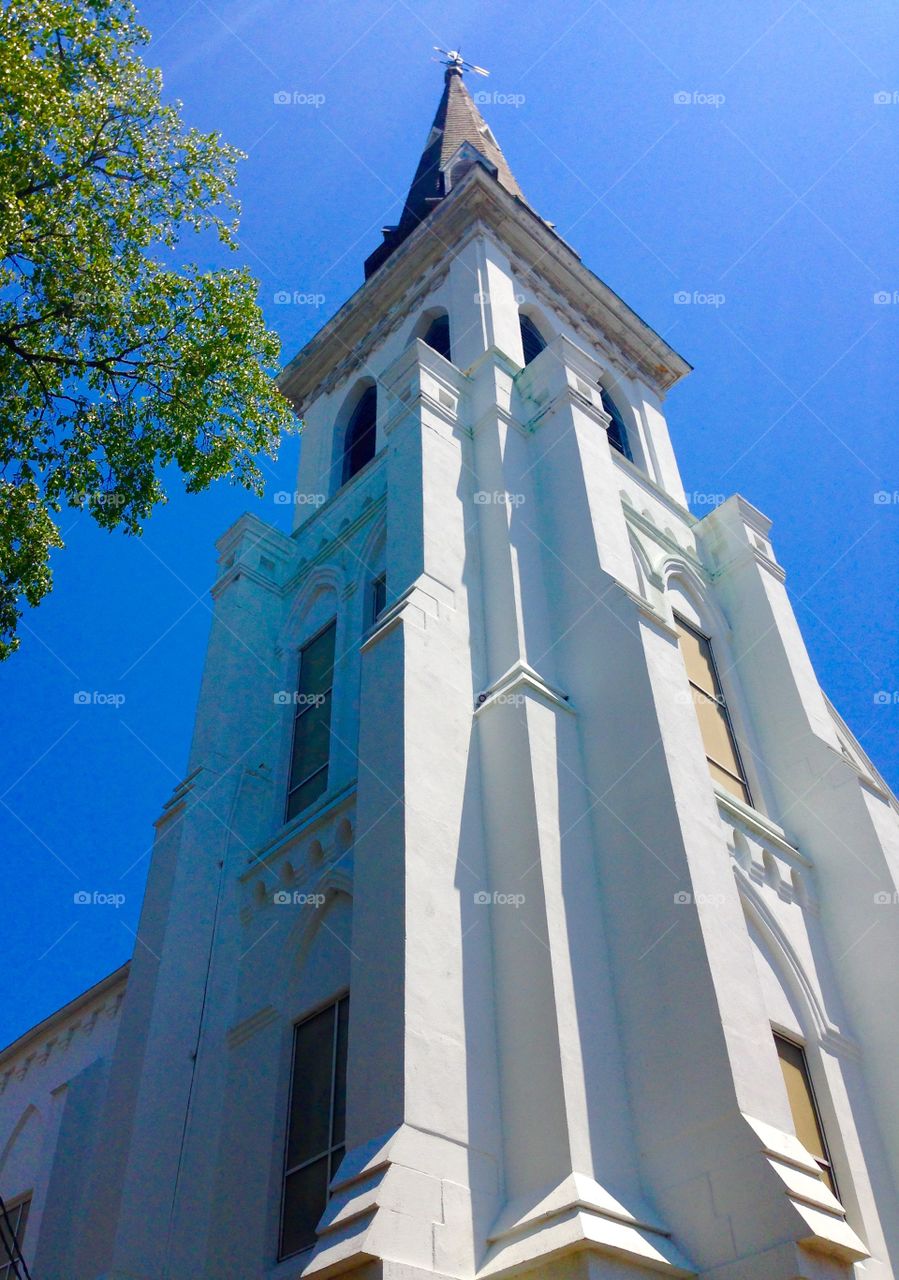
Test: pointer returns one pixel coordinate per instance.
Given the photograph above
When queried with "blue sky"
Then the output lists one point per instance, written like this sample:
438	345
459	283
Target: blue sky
773	184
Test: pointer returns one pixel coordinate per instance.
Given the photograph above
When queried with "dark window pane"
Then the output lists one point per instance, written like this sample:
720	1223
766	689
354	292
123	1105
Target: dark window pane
531	338
18	1216
339	1125
359	442
310	1103
305	1197
312	728
378	596
311	739
317	662
302	797
438	336
617	430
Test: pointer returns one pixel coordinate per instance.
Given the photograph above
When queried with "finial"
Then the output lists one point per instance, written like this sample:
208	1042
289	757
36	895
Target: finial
455	64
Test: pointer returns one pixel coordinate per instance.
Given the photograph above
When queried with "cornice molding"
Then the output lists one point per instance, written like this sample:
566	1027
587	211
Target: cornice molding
384	300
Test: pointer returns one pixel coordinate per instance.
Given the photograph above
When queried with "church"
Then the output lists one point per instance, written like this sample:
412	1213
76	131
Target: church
526	908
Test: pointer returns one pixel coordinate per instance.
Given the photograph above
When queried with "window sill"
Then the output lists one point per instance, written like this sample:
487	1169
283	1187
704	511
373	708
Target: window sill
320	811
370	469
759	823
290	1267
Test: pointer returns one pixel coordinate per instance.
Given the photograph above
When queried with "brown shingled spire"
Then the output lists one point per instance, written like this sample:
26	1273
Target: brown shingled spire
458	132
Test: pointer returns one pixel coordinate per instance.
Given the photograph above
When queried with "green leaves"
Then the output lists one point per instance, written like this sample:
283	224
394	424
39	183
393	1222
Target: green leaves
112	363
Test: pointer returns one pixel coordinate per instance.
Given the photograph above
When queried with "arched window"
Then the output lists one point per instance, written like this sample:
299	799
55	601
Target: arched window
532	340
359	441
437	336
617	430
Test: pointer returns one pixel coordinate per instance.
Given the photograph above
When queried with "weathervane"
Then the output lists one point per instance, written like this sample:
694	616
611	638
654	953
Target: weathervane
453	58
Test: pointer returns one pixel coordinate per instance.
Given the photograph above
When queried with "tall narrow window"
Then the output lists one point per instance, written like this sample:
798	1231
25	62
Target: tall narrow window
437	336
617	430
316	1123
12	1233
312	726
359	441
714	723
532	339
378	596
806	1120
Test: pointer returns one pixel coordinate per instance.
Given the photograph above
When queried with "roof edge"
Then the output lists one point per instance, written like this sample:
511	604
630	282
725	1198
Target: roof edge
117	977
660	363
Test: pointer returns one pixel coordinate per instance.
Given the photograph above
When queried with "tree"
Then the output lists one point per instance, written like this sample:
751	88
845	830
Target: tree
114	362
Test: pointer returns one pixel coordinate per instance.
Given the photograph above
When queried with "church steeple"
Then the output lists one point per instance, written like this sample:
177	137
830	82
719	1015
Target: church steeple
459	137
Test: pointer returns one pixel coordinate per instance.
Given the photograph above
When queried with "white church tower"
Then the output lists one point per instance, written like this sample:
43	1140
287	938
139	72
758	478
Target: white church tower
526	909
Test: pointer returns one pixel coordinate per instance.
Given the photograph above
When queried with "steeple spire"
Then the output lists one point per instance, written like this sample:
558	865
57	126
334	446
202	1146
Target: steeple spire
459	137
